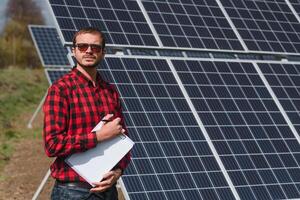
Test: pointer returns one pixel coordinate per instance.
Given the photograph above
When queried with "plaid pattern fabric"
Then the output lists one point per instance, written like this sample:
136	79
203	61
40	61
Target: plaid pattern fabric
72	108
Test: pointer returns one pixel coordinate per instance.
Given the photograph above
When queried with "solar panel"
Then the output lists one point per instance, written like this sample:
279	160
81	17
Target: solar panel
255	143
171	158
49	47
122	21
284	80
268	25
54	74
191	24
295	5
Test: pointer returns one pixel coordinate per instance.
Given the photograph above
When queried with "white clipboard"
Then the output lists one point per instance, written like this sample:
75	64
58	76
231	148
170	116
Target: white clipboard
94	163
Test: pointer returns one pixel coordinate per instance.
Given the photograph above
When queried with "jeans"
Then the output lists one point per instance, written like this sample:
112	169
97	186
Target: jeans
62	192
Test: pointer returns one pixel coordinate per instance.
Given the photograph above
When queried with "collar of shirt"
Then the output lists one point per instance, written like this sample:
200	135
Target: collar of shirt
82	79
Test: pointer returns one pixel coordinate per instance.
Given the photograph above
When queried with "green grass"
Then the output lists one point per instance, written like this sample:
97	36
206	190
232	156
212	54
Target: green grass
21	90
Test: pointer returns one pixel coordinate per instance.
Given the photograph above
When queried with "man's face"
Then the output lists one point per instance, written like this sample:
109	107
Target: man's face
88	51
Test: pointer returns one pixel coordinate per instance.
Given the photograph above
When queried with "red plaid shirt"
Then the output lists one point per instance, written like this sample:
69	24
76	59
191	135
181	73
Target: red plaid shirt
72	108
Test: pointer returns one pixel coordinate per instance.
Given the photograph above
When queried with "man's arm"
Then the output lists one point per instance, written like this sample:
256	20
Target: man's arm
56	116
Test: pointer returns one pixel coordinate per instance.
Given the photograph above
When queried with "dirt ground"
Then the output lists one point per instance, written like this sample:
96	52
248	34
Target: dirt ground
25	171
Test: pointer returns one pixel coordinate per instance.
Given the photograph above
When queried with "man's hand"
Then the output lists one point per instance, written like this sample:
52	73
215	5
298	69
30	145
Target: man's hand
110	129
109	180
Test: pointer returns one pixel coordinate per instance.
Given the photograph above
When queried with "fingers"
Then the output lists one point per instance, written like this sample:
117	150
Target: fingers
107	182
117	120
103	183
107	175
110	129
99	188
118	125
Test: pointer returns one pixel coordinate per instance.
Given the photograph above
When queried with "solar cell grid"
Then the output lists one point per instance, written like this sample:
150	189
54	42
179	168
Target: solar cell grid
54	75
155	125
122	21
255	144
296	5
191	24
267	26
51	50
284	80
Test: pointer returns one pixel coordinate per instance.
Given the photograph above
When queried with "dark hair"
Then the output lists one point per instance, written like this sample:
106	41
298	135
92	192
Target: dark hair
92	30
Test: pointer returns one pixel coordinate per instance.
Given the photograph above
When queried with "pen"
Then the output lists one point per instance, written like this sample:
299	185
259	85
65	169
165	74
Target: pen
106	120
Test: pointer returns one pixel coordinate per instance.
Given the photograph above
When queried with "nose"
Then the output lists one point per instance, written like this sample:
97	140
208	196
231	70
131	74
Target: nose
89	50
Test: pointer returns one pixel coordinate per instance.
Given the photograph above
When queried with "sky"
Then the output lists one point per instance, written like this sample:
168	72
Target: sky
44	8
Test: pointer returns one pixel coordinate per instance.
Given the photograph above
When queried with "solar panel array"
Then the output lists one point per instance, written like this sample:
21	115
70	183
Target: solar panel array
255	143
284	80
206	125
265	25
192	24
50	48
122	21
249	25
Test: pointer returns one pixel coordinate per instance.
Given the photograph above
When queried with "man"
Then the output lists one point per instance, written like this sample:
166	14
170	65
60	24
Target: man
74	105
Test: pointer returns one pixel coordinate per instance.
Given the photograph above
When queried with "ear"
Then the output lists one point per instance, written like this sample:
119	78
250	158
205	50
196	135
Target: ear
73	51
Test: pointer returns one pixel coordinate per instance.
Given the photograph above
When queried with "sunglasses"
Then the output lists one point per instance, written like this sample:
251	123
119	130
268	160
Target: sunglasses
83	47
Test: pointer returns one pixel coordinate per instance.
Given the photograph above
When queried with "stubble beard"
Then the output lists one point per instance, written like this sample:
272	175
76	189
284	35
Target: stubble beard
94	65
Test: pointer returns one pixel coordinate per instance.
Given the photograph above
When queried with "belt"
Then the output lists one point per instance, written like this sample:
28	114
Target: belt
84	185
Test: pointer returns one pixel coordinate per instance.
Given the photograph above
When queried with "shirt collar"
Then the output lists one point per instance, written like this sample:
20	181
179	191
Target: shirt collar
82	79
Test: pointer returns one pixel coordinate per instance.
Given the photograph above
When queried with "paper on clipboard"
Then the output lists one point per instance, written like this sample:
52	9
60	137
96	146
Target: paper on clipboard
94	163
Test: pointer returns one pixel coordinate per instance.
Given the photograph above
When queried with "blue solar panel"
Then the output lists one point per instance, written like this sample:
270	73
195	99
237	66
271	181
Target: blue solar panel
295	5
250	134
54	74
266	25
50	49
192	24
122	21
284	80
171	158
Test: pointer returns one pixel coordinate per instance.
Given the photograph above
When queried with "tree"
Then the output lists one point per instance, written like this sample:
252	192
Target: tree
16	44
24	12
